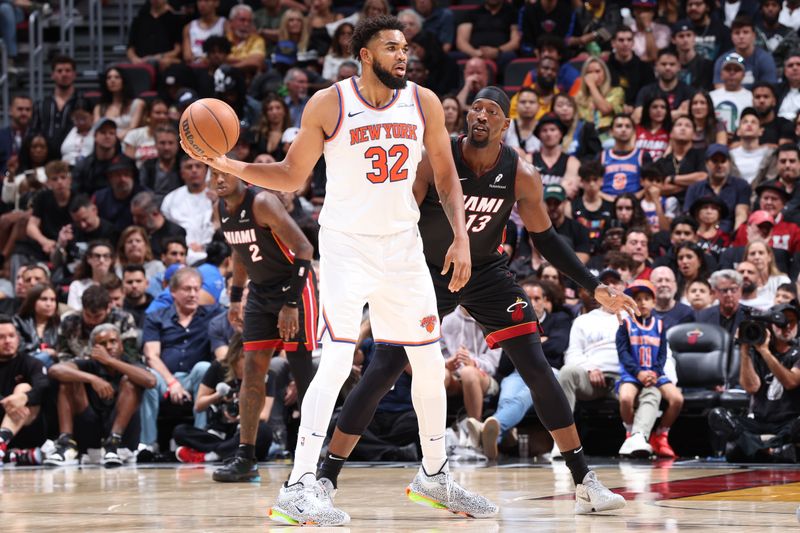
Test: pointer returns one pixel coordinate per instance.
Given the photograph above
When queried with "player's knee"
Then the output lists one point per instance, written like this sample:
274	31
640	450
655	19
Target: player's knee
257	362
335	363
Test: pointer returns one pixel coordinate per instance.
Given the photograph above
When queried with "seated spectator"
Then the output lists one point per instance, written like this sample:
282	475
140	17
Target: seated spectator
581	139
750	154
118	102
520	133
476	77
627	69
659	209
295	32
79	142
708	211
728	313
769	278
635	244
731	98
786	293
770	373
591	210
772	197
546	17
174	253
51	115
247	47
339	51
91	173
627	213
542	81
594	24
97	399
230	86
773	36
217	50
195	33
27	277
20	114
682	164
692	265
734	192
161	174
597	101
73	333
652	132
133	248
274	120
454	120
667	84
765	104
700	295
37	324
750	296
696	71
267	19
469	362
707	130
623	161
140	144
789	90
191	208
50	212
489	31
114	202
26	171
757	62
667	309
146	213
134	287
113	285
555	199
649	36
22	385
218	396
555	167
177	350
95	264
155	36
437	20
642	348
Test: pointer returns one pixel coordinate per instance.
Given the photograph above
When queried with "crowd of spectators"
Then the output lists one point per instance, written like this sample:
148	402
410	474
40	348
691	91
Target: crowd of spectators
666	134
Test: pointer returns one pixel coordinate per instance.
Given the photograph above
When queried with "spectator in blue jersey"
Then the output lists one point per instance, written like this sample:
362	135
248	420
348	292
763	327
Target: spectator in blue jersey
642	349
623	163
734	192
758	63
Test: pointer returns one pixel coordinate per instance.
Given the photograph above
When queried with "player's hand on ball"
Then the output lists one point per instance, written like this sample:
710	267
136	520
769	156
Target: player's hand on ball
288	322
458	255
615	301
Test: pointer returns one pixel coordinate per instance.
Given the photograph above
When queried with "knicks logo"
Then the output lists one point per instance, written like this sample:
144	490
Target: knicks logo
516	309
692	336
429	323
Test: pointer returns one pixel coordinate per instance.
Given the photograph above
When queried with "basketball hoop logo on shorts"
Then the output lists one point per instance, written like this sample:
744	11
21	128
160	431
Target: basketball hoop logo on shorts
516	309
429	323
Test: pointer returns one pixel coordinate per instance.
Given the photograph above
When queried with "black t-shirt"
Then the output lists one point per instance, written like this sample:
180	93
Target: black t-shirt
698	73
138	311
488	29
712	40
169	229
150	36
774	130
631	76
577	236
23	369
773	403
52	216
675	97
595	222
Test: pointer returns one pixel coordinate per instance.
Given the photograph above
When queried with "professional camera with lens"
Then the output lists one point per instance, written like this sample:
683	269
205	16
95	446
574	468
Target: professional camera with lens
232	408
753	329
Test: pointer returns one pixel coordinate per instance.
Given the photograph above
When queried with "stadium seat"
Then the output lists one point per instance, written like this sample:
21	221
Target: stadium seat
734	397
701	357
517	69
141	76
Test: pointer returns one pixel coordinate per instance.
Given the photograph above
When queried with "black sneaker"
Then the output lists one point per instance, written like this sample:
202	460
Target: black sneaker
237	470
111	458
66	452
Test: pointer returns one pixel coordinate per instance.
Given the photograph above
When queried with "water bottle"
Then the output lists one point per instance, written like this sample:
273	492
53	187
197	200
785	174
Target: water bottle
523	443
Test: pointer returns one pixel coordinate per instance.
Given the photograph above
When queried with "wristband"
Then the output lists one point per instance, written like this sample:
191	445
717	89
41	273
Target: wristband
298	281
236	294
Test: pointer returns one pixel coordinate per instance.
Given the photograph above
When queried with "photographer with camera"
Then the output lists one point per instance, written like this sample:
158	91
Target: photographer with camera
218	394
770	373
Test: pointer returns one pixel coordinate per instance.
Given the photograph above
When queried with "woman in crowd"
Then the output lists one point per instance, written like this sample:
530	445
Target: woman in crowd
761	255
92	269
707	129
26	173
140	143
708	211
652	134
339	51
294	27
319	17
699	295
37	323
195	33
597	101
117	102
133	248
581	139
691	266
628	212
274	120
453	115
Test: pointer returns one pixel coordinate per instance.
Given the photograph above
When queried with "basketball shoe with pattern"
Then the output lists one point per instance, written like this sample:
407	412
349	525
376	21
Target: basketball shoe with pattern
66	452
440	491
309	504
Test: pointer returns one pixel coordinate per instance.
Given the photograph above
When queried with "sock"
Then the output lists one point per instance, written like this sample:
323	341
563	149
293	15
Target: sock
628	427
306	453
65	437
576	463
331	466
6	434
116	436
247	451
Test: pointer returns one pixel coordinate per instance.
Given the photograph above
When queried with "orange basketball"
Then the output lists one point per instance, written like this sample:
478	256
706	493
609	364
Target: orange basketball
209	127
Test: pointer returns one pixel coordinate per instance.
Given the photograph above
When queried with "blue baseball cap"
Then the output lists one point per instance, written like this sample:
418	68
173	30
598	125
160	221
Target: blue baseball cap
717	148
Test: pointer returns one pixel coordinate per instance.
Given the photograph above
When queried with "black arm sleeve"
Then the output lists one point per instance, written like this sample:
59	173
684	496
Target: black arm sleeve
37	377
560	255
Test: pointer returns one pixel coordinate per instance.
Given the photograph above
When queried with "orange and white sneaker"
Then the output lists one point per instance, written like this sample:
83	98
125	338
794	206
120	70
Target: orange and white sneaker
661	445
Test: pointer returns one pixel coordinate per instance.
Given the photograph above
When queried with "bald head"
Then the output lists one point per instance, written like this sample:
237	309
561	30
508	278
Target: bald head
663	278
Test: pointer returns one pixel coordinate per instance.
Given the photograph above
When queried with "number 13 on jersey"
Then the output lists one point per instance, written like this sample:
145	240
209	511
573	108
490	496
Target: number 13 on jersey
380	163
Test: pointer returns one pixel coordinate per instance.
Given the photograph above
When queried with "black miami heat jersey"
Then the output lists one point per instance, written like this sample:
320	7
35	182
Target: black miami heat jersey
488	200
267	259
551	175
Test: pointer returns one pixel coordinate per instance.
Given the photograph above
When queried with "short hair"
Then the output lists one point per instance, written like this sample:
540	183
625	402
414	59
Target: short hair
547	40
366	29
165	128
788	287
702	282
618	260
621	29
62	60
742	21
145	200
217	42
21	97
727	274
56	167
173	240
635	229
412	13
177	278
625	116
668	51
353	64
235	10
683	219
527	90
39	266
652	172
78	202
765	85
95	299
789	147
102	328
591	169
6	319
127	269
111	282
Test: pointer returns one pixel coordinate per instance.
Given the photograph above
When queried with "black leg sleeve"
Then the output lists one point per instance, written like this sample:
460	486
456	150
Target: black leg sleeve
302	368
548	396
381	375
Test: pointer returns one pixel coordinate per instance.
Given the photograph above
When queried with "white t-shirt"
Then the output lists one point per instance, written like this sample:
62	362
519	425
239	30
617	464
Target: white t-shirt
76	290
76	146
767	292
511	139
143	143
790	105
729	105
749	161
192	212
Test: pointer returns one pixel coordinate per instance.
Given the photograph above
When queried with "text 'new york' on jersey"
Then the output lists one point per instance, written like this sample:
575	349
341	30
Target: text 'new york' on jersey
488	200
267	259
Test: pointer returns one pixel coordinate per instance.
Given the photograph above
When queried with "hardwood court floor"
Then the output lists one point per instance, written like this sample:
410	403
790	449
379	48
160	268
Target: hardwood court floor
688	496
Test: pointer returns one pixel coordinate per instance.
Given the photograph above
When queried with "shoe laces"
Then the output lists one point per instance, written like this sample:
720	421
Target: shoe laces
321	493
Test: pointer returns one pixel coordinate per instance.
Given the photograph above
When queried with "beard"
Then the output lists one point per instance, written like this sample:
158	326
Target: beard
764	112
387	78
748	287
477	144
546	83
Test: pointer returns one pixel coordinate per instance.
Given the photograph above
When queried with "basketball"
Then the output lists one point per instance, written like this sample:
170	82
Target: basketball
209	127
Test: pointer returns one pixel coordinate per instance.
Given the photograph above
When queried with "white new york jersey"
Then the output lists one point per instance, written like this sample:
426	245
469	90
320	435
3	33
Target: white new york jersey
371	161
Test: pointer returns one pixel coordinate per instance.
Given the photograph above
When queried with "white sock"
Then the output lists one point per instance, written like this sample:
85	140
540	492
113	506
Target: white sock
430	403
628	427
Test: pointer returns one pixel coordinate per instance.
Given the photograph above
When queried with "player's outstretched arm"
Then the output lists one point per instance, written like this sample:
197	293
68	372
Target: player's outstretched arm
532	210
320	115
440	156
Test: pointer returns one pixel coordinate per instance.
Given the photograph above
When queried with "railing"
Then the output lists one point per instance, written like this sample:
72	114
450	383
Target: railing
96	59
4	81
125	20
36	58
66	42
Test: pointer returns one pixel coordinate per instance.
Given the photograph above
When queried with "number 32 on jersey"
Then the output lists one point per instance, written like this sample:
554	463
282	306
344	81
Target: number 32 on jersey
381	159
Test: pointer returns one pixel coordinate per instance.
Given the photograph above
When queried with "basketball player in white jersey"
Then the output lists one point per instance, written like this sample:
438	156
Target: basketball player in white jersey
371	131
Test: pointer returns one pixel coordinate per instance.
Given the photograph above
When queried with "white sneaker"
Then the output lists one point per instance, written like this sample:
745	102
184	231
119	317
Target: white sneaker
440	491
591	496
489	434
307	503
636	446
474	429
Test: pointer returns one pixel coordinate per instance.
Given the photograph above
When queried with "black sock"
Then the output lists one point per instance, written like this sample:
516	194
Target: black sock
248	451
65	437
331	466
576	463
6	434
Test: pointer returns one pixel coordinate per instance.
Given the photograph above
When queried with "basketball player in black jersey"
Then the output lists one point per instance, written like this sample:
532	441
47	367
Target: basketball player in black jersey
493	177
271	251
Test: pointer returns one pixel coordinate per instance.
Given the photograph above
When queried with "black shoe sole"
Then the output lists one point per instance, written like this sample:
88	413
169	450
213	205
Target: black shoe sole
252	477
